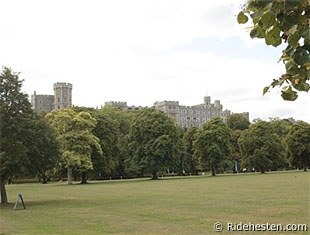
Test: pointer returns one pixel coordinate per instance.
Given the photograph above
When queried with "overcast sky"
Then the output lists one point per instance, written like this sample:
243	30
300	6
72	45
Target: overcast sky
142	51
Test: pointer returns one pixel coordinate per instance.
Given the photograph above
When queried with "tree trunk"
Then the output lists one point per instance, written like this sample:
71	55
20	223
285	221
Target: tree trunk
4	197
69	173
305	168
44	179
262	170
154	175
213	171
84	178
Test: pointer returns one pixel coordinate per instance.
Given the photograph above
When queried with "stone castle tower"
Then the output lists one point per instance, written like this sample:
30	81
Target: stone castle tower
62	95
61	99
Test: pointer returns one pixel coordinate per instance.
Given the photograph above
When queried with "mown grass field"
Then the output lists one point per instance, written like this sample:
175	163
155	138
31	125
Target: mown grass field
189	205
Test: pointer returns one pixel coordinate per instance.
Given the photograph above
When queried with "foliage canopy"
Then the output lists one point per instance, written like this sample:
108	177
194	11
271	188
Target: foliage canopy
153	140
27	143
298	144
261	147
283	21
77	142
213	144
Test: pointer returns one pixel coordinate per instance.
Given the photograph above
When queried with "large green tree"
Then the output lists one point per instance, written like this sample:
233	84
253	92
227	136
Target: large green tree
44	148
121	122
288	22
280	126
77	142
237	121
235	155
107	130
15	116
27	144
188	142
298	144
261	148
213	144
153	141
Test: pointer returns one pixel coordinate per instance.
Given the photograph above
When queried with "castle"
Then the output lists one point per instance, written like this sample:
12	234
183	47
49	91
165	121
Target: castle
62	98
185	116
122	105
193	116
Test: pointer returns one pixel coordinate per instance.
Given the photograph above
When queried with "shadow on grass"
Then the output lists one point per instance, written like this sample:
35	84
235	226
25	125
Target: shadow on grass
58	202
33	204
207	175
5	206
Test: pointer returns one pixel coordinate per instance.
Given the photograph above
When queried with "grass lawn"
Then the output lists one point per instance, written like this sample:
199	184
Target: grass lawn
189	205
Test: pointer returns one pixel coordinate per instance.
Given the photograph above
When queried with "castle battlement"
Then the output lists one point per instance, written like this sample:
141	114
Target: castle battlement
117	104
167	102
62	84
186	116
122	105
196	115
62	98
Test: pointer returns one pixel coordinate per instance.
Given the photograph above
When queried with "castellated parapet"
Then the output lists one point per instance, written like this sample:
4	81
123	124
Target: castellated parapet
185	116
63	95
193	116
116	103
62	98
122	105
42	103
171	108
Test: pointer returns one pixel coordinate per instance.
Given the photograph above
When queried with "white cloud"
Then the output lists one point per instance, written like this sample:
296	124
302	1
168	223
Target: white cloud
132	51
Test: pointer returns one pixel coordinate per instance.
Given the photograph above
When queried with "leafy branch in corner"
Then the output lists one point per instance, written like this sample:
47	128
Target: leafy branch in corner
283	21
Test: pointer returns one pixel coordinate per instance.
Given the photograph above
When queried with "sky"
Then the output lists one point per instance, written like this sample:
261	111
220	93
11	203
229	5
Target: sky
143	51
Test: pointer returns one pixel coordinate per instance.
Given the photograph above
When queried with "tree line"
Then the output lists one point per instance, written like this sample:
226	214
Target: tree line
81	143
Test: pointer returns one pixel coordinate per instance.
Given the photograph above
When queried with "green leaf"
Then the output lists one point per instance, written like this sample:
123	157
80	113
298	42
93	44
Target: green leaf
302	87
277	82
299	83
301	56
268	19
273	36
292	30
305	32
289	50
266	90
242	18
293	40
289	94
257	32
291	67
